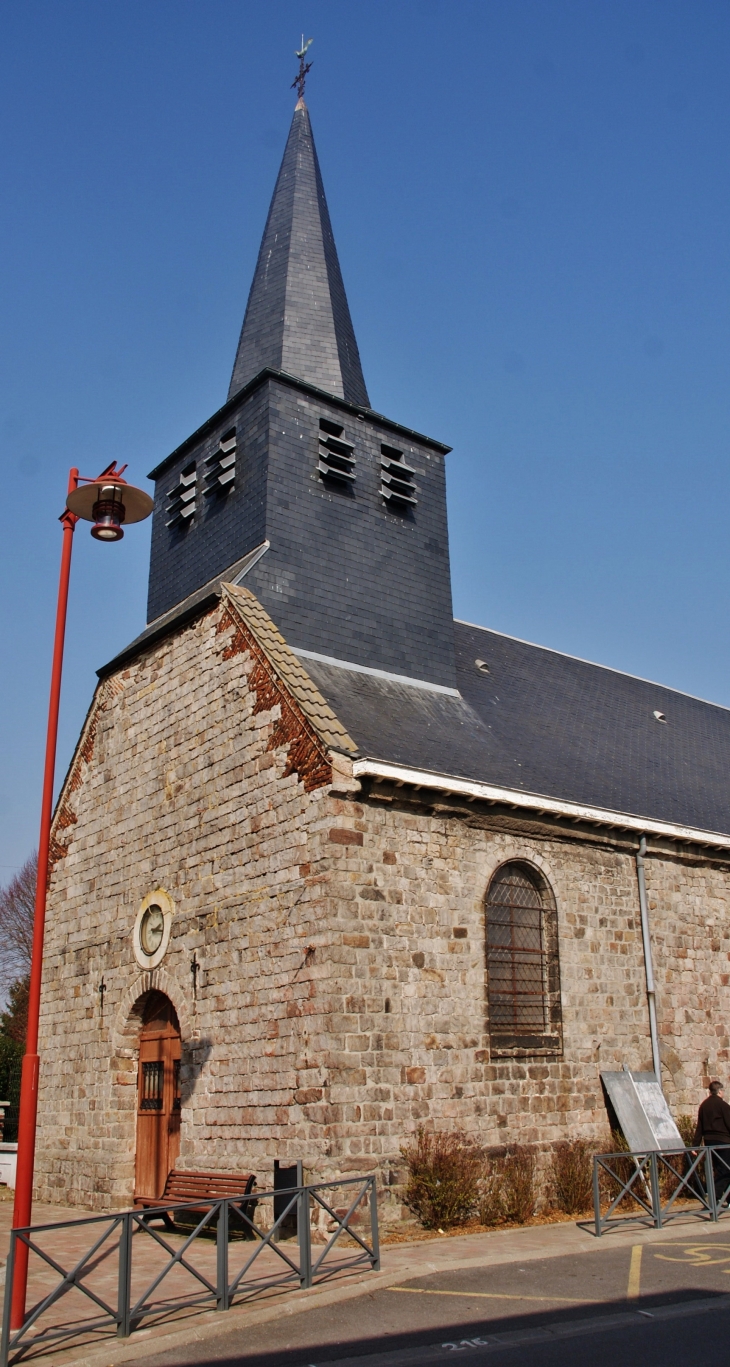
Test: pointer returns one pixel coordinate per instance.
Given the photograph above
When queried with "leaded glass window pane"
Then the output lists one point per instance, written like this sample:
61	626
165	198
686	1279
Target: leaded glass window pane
516	960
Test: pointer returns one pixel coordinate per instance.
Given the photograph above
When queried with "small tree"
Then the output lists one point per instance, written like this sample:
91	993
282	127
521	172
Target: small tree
17	912
14	1020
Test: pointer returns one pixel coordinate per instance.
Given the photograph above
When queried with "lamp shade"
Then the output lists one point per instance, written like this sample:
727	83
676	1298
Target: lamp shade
137	504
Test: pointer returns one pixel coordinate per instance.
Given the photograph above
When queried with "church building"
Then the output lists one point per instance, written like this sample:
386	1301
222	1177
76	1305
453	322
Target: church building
328	865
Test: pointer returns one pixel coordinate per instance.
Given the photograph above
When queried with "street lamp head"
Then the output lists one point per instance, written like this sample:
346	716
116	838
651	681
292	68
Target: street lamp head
108	513
108	502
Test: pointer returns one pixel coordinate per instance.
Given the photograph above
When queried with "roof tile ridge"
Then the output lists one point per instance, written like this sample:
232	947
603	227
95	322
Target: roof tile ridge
288	667
594	664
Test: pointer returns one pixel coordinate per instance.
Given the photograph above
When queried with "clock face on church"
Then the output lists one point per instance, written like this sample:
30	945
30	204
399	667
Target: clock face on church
152	929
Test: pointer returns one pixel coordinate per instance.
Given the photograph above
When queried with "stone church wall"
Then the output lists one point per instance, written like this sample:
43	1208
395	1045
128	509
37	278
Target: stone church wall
341	998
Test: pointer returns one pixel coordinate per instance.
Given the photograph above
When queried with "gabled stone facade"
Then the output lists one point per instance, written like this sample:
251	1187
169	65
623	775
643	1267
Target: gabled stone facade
339	927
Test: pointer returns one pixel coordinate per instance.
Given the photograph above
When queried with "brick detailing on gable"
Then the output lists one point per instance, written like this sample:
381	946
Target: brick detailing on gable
64	816
289	668
306	752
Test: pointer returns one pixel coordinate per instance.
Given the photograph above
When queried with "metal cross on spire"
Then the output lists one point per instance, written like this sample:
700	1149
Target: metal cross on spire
304	67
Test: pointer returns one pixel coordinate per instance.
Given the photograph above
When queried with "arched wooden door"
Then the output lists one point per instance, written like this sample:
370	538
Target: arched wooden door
158	1096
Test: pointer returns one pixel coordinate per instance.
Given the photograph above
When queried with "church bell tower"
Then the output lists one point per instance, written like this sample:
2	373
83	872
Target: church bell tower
333	515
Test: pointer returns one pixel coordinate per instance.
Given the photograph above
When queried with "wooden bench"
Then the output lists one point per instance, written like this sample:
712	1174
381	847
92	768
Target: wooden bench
205	1188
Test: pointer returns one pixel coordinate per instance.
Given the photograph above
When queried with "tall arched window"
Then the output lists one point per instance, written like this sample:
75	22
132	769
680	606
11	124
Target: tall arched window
522	962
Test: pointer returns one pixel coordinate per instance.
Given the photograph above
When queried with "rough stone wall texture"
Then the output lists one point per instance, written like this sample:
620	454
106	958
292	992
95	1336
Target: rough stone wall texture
336	1009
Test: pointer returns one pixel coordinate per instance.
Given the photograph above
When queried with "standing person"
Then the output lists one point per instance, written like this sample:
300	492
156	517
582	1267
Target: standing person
713	1128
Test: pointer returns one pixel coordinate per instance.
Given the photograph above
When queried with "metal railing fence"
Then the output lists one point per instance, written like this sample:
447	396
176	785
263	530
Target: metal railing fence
655	1180
219	1279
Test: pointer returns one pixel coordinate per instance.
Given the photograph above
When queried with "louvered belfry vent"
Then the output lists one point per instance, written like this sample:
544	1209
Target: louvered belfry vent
181	499
220	468
336	459
397	478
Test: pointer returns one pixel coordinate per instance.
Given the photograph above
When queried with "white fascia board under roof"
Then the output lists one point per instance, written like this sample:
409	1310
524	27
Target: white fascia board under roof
535	802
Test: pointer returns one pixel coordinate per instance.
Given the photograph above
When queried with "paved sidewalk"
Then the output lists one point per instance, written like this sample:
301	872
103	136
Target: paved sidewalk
400	1262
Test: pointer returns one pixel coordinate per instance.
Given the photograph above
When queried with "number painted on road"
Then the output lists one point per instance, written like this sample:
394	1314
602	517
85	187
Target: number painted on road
466	1343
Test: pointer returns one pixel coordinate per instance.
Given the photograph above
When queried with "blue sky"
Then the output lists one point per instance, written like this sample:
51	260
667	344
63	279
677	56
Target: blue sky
530	201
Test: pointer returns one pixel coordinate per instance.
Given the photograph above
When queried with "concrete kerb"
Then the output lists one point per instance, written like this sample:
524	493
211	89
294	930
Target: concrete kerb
400	1262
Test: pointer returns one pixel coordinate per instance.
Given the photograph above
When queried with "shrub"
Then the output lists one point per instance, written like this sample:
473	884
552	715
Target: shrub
624	1169
571	1170
519	1184
686	1126
509	1188
491	1202
443	1178
672	1168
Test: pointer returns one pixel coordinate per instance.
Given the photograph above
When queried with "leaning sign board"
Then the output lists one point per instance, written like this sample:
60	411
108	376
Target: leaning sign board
642	1111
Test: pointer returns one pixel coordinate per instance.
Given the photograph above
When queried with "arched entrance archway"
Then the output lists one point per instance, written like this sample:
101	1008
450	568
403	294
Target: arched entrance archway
158	1096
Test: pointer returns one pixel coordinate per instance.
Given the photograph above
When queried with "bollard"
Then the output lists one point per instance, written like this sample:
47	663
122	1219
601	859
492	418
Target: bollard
305	1238
374	1236
124	1286
221	1257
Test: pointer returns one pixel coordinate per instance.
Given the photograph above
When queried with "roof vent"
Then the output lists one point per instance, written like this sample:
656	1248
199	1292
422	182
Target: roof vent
220	468
482	666
659	716
336	459
397	477
181	498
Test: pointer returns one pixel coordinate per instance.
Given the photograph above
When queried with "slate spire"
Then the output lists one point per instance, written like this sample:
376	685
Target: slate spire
297	316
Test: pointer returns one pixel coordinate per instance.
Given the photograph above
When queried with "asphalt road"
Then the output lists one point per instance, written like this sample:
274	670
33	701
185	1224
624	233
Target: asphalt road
663	1305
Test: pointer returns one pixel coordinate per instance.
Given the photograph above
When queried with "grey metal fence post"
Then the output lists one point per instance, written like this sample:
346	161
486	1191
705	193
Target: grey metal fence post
305	1238
597	1197
656	1199
710	1184
124	1289
5	1341
221	1297
374	1236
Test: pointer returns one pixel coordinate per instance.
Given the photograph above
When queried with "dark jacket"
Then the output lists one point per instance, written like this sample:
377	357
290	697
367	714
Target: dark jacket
713	1122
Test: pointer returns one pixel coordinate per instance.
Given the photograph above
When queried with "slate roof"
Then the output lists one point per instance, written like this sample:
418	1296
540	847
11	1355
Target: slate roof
297	318
544	723
538	723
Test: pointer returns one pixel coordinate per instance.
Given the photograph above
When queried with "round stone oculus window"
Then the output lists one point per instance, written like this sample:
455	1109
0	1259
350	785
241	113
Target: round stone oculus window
152	928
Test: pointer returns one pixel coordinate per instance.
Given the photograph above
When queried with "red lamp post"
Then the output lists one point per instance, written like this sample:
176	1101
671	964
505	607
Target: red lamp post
107	501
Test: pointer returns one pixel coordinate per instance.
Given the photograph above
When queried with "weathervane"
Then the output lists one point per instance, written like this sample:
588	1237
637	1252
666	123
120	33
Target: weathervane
298	82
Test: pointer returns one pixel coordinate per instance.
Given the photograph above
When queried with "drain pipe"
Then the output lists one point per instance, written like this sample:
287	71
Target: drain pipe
650	992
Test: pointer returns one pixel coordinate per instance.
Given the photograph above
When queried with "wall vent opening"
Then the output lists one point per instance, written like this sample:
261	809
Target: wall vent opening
336	458
220	468
181	498
397	478
660	716
333	428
